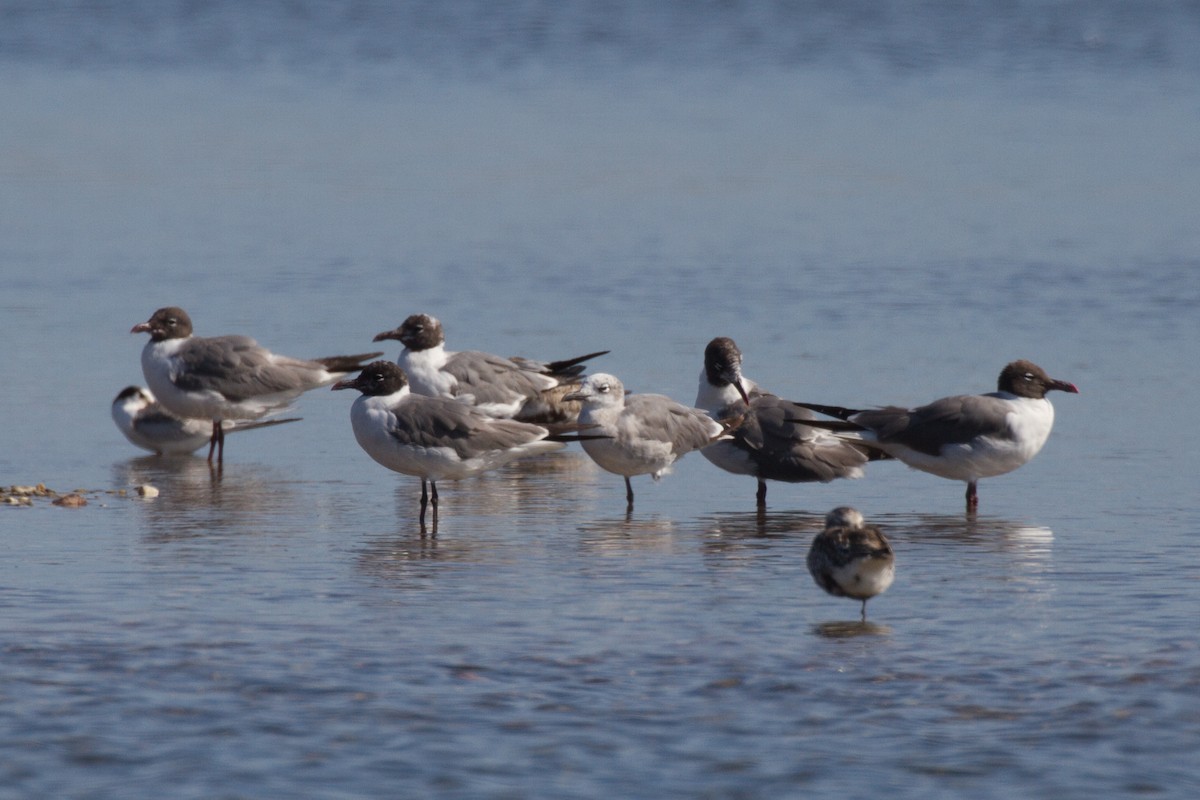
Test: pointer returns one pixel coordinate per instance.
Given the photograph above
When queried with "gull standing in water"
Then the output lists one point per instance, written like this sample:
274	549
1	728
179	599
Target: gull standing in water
434	438
223	378
964	437
517	388
643	434
851	559
773	442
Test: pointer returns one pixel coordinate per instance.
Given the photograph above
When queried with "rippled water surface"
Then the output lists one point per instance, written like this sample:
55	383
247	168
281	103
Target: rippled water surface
881	202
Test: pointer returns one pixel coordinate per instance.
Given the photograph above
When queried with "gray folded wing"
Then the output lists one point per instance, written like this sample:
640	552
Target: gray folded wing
492	379
951	420
652	416
238	369
783	448
435	422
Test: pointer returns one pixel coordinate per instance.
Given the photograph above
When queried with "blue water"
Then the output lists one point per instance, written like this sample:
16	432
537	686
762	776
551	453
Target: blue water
881	202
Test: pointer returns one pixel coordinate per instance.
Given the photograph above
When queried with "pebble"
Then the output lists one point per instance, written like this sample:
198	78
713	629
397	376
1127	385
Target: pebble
146	490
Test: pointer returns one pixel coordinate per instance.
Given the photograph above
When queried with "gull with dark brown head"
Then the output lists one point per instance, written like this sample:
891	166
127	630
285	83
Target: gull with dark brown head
773	442
966	437
434	438
517	388
221	378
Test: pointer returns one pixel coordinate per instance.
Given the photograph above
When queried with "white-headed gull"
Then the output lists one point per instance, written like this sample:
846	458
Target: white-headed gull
642	434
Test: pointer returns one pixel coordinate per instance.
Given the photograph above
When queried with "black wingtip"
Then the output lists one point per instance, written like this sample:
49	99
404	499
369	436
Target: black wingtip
346	363
570	367
829	411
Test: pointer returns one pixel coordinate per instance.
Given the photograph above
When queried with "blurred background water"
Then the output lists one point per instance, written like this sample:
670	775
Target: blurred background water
881	202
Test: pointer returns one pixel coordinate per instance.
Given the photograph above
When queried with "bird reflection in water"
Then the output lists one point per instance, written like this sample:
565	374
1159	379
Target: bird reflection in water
194	500
850	629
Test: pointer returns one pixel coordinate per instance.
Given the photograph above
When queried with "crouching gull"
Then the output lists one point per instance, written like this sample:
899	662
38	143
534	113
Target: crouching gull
148	425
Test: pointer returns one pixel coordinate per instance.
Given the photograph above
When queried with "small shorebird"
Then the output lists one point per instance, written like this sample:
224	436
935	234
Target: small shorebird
643	434
226	377
148	425
851	559
434	438
964	437
773	442
517	388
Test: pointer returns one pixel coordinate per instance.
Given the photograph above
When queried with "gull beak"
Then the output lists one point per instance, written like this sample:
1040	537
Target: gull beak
392	334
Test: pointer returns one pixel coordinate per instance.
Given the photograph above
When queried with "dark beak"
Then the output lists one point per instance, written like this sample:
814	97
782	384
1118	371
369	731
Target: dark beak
141	327
1064	386
347	383
392	334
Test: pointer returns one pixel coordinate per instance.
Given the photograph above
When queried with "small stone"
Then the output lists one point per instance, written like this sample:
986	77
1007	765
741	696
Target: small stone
14	500
146	490
72	500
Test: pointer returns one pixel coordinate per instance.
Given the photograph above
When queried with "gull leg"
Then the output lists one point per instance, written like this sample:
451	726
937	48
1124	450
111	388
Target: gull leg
761	496
433	498
424	501
972	497
628	494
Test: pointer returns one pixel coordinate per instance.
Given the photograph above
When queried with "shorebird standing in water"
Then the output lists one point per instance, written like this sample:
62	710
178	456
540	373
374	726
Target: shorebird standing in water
850	558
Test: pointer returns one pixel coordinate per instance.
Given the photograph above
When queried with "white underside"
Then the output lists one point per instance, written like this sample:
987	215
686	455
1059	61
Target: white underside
171	437
1028	424
371	418
160	366
865	577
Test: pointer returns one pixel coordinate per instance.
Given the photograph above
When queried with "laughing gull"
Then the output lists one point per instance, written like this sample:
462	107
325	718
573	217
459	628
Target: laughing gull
148	425
517	388
851	559
772	443
226	377
434	438
965	437
643	434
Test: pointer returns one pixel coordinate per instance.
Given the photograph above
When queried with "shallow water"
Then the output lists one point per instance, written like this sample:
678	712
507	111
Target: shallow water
879	203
